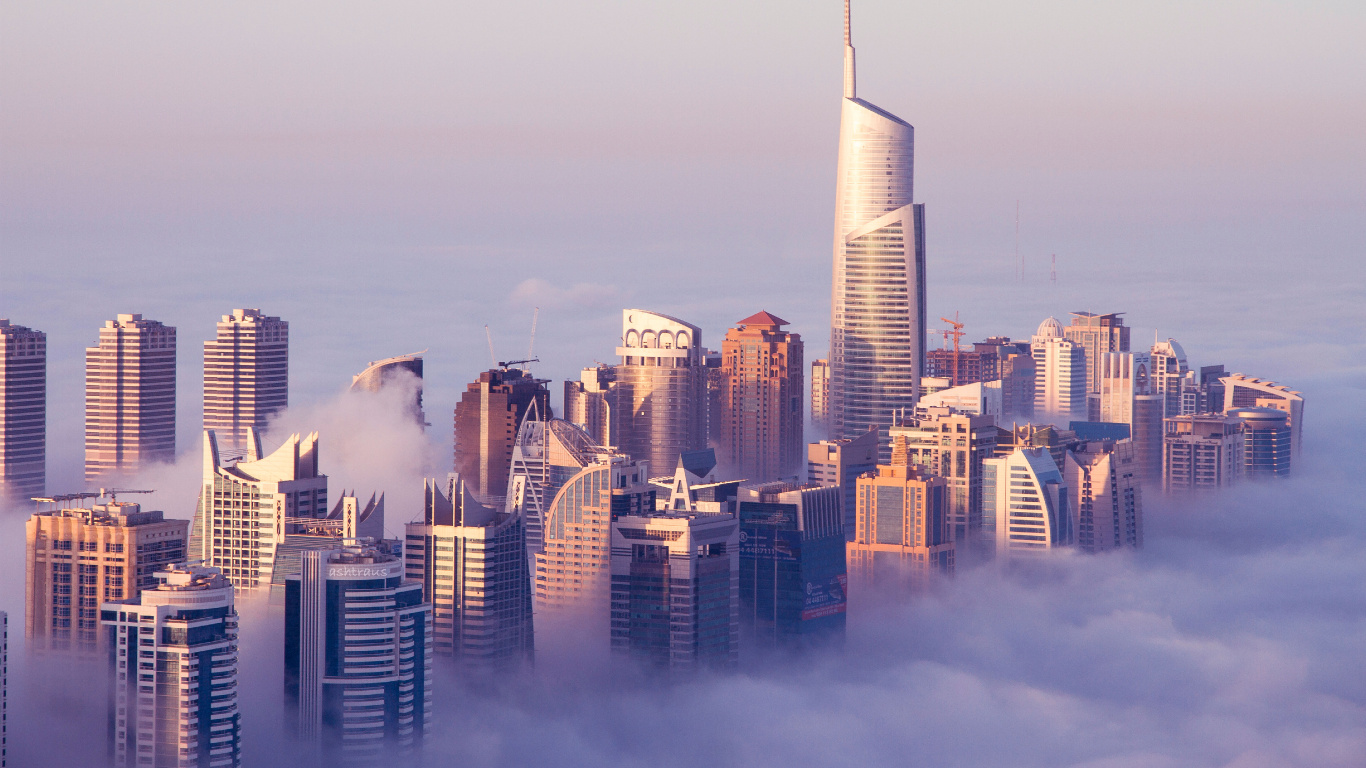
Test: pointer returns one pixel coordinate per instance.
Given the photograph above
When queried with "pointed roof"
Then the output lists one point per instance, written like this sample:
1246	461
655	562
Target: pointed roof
763	318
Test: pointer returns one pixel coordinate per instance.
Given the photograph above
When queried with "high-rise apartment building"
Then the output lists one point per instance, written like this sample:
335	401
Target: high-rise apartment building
401	371
820	396
953	446
1106	499
1096	335
1060	374
877	320
793	577
246	375
248	509
1012	363
545	456
1266	441
1201	451
173	656
364	695
588	402
130	396
760	436
963	366
1246	392
486	422
1167	375
1147	433
471	561
661	396
676	588
23	412
839	463
78	557
1123	376
902	526
1027	503
572	566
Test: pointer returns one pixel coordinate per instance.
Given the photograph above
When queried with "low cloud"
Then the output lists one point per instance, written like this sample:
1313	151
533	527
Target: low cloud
535	291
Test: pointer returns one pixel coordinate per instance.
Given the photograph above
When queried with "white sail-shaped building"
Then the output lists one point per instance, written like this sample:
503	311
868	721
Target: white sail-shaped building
877	320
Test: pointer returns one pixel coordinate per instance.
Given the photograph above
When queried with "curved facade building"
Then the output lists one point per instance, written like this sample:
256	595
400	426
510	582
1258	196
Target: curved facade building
545	456
381	373
1266	441
660	394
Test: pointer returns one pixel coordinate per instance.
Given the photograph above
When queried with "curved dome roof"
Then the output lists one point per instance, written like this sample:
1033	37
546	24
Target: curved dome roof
1049	328
1170	347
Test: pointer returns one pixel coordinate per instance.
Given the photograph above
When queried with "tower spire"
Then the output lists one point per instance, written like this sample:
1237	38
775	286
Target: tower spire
848	56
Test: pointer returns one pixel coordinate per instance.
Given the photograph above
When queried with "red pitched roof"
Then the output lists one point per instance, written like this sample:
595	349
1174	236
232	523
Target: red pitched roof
762	318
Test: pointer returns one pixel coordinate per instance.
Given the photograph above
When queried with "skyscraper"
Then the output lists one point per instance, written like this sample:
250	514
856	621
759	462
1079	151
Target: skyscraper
953	446
363	694
1030	509
1123	376
78	557
130	396
1167	375
486	422
173	654
472	563
877	320
1106	500
902	533
1060	375
588	402
1246	392
660	406
839	463
390	372
1096	335
545	455
820	396
760	434
246	375
23	412
1266	441
1201	451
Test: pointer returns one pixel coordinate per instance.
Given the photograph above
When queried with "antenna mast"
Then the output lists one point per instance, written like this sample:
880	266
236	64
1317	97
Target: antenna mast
1053	272
531	348
489	335
1018	258
848	56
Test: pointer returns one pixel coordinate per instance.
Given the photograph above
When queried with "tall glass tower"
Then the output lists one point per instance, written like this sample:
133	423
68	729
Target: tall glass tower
877	319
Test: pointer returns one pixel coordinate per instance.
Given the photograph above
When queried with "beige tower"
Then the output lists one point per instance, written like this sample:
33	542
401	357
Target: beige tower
953	446
246	375
130	396
760	434
820	395
1107	502
23	411
902	531
1097	334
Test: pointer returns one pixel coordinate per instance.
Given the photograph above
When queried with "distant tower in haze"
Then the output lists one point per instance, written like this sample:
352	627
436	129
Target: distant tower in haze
877	321
1097	334
23	411
487	419
820	395
246	375
760	434
130	396
1059	374
382	374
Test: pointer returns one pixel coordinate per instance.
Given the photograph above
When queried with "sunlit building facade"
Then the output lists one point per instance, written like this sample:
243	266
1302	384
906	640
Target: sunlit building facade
1030	507
401	371
1096	335
246	375
902	527
1247	392
953	446
661	404
130	396
1201	452
23	412
760	431
839	463
486	422
546	454
1106	497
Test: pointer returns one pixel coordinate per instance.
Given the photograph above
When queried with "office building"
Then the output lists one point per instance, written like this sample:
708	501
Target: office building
1057	440
486	422
820	396
1096	335
246	375
1266	441
1146	430
363	695
839	463
953	446
1106	498
77	557
963	366
982	398
545	455
693	486
572	566
1246	392
877	319
675	589
471	561
401	371
760	434
1060	375
793	578
1123	376
173	658
130	396
901	530
1025	503
1168	376
661	393
23	412
588	402
1201	452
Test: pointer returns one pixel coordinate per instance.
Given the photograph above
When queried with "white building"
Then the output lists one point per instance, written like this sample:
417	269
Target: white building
545	455
1246	392
174	655
1027	502
982	398
1168	371
1106	497
1060	384
246	375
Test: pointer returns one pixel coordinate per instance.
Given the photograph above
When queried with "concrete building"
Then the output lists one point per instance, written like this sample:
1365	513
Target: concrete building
77	557
1060	374
964	366
982	398
1246	392
471	561
1011	363
1201	452
953	446
1147	433
820	396
573	564
1058	441
1106	498
877	318
839	463
1123	376
130	396
793	577
1266	441
1168	376
486	422
246	375
902	528
1096	335
676	589
173	659
363	695
23	412
1025	503
545	455
760	434
588	402
401	371
661	394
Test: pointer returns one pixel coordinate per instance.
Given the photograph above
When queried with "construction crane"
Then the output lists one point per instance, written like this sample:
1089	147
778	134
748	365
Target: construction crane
957	334
510	363
489	335
112	492
531	347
